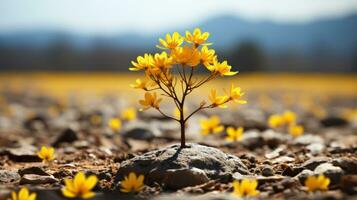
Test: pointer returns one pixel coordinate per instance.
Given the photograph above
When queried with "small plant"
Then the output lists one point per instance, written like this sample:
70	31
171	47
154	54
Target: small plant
172	72
132	183
80	187
245	188
23	194
314	183
47	154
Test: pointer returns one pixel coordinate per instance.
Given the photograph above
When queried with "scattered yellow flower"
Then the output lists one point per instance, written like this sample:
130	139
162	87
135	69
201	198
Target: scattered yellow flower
221	68
142	63
236	95
80	186
218	101
132	183
114	124
197	38
296	130
139	84
129	114
234	134
314	183
207	56
23	194
171	42
186	55
245	187
150	100
275	121
46	154
211	125
289	117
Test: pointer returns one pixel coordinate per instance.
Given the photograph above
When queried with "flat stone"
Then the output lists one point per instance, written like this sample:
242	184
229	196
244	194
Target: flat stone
26	153
156	165
139	134
33	170
67	136
37	179
312	163
315	148
308	139
7	176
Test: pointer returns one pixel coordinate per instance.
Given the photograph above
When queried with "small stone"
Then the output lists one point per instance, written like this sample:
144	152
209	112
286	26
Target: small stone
315	148
139	134
267	171
307	139
67	136
333	121
333	172
349	165
180	178
7	176
37	179
302	176
33	170
283	159
277	152
312	163
252	140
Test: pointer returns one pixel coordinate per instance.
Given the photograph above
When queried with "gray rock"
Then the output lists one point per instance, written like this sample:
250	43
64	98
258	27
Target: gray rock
7	176
312	163
315	148
349	165
177	178
252	140
308	139
155	165
302	176
32	170
139	134
67	136
333	172
37	179
267	171
25	153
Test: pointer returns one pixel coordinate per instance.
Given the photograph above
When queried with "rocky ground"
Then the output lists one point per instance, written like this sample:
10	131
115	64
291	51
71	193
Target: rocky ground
78	130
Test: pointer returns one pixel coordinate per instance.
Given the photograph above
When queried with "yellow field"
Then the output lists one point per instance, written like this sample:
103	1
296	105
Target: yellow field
60	84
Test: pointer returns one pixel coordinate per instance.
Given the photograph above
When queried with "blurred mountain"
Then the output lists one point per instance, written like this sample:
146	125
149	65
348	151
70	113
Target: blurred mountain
338	34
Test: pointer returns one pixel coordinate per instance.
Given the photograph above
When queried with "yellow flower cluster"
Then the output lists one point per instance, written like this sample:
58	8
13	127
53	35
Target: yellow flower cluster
212	125
46	154
288	118
172	73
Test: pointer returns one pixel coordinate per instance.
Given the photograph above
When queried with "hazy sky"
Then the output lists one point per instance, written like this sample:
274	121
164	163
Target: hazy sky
113	16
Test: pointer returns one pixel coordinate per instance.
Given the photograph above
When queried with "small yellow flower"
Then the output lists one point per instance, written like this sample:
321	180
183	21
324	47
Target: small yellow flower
114	124
161	62
132	183
46	154
275	121
236	95
139	84
289	117
186	56
218	101
142	63
197	38
24	194
221	68
314	183
129	114
207	56
234	134
245	187
171	42
211	125
296	130
80	186
150	100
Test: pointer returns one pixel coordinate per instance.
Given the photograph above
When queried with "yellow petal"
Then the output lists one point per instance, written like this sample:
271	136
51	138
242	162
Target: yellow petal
68	193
